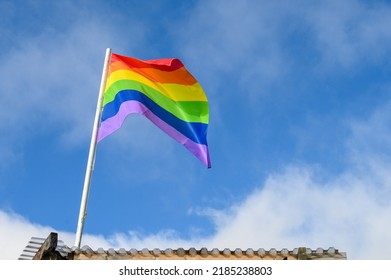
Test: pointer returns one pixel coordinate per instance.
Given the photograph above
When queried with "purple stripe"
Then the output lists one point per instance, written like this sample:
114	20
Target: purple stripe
110	125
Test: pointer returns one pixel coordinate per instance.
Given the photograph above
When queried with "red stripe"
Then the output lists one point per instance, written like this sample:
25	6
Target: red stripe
166	64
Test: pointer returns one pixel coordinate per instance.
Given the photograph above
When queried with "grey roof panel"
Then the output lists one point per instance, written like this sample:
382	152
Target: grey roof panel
35	244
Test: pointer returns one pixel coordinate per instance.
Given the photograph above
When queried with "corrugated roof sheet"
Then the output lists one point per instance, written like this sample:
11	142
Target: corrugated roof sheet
86	252
191	253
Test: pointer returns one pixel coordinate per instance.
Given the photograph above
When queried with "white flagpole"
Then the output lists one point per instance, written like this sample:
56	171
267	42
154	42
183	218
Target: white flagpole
91	156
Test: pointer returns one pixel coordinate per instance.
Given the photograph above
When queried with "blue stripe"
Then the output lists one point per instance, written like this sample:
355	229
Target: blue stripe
192	130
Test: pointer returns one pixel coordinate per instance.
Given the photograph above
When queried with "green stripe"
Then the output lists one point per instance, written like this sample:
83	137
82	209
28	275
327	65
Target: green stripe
189	111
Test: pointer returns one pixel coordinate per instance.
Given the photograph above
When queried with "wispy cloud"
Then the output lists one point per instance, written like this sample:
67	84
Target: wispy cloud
297	205
50	80
266	44
54	79
350	32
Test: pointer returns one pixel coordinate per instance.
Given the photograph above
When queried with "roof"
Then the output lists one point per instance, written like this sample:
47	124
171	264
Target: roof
52	248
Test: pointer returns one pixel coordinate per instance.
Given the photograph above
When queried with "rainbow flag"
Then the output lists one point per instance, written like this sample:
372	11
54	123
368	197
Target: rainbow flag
164	92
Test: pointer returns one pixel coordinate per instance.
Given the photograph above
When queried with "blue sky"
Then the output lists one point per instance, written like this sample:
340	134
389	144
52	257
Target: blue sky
299	131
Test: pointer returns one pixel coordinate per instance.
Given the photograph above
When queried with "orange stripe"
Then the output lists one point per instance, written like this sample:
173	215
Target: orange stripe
179	76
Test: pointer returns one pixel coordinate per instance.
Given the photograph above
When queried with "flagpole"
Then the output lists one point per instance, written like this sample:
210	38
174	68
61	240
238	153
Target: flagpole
92	153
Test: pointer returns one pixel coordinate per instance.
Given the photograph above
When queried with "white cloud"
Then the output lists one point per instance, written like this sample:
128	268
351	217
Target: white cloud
15	232
292	208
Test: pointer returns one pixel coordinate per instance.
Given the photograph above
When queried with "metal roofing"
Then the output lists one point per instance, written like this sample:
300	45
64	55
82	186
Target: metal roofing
65	252
192	253
36	243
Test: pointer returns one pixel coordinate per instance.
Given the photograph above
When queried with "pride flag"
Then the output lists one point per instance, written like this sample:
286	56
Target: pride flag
163	91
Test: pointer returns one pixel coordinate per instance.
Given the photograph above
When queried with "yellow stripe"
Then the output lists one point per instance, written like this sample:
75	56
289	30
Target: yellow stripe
175	92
